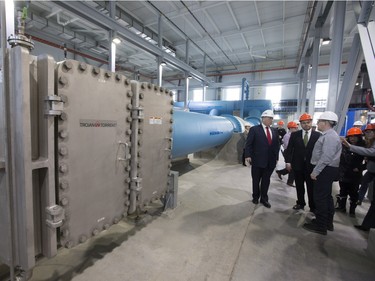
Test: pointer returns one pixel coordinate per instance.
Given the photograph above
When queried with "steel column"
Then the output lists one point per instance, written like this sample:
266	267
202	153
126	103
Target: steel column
20	153
336	52
314	70
349	80
304	84
368	42
186	90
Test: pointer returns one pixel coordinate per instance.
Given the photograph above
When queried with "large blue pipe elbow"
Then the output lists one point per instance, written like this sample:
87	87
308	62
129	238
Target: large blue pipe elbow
194	132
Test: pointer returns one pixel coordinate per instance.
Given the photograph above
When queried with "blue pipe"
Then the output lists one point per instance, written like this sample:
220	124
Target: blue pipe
251	108
194	132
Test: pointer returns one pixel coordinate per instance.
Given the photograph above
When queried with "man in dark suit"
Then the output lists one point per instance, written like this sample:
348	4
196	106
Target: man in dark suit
297	158
262	152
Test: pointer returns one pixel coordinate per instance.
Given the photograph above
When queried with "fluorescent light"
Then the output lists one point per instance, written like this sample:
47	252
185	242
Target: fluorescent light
116	40
326	41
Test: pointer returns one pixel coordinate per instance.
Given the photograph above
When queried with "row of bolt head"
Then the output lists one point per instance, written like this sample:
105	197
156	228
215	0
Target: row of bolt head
82	66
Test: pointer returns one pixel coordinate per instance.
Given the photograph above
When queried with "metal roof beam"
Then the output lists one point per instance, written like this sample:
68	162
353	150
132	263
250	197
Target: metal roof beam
103	21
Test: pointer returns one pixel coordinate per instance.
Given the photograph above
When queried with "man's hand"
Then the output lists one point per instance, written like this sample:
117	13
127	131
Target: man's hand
345	142
313	177
248	161
288	166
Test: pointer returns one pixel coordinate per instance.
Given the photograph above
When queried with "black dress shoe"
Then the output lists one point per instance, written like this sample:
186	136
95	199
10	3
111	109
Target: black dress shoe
314	228
279	175
266	204
330	227
298	207
362	228
255	201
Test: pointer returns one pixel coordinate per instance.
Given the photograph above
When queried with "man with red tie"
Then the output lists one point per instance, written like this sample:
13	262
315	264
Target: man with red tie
262	152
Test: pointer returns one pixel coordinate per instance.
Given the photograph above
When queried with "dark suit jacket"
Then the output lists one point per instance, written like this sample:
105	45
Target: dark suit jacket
262	154
299	155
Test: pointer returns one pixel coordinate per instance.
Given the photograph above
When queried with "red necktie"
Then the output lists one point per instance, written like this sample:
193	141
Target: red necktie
268	136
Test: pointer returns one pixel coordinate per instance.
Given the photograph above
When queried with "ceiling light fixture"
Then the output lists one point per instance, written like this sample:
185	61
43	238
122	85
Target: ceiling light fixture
116	40
163	64
326	41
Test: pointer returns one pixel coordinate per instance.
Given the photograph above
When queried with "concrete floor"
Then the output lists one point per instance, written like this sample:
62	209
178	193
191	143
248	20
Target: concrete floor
217	234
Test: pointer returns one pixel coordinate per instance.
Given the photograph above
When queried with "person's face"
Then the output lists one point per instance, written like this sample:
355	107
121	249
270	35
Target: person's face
306	125
267	121
323	125
353	139
247	128
369	134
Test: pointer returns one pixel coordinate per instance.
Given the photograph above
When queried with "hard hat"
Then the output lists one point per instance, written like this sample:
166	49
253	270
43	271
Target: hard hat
267	113
354	131
281	122
305	117
296	121
247	124
292	124
358	123
370	127
329	116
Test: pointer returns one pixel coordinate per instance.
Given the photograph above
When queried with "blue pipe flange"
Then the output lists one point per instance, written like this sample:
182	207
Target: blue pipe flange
236	123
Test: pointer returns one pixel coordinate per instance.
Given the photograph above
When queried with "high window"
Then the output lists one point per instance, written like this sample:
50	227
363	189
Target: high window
231	93
273	93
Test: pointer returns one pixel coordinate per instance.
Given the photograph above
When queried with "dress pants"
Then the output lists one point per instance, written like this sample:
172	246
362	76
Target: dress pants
324	208
349	188
366	179
369	220
300	177
261	182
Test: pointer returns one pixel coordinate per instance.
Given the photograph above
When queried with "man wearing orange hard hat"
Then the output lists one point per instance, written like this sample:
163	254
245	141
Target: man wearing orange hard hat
281	130
350	172
292	127
297	158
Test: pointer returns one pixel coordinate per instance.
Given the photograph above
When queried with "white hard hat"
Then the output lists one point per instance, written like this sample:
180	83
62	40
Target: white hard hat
358	123
329	116
247	124
267	113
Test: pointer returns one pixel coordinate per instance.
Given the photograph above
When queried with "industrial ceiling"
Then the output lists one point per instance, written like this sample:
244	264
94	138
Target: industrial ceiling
202	38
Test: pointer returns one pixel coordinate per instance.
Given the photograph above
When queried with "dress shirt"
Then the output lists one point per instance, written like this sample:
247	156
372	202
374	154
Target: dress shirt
265	130
326	152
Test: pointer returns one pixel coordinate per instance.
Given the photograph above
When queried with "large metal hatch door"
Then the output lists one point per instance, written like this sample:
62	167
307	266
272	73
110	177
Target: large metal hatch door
93	149
155	141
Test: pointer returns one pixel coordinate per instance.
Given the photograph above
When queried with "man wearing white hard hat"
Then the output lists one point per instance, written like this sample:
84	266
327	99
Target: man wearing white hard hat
358	124
326	159
262	152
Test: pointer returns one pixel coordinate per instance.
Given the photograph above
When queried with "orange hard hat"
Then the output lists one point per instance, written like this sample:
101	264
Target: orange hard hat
370	127
305	117
292	124
281	122
354	132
